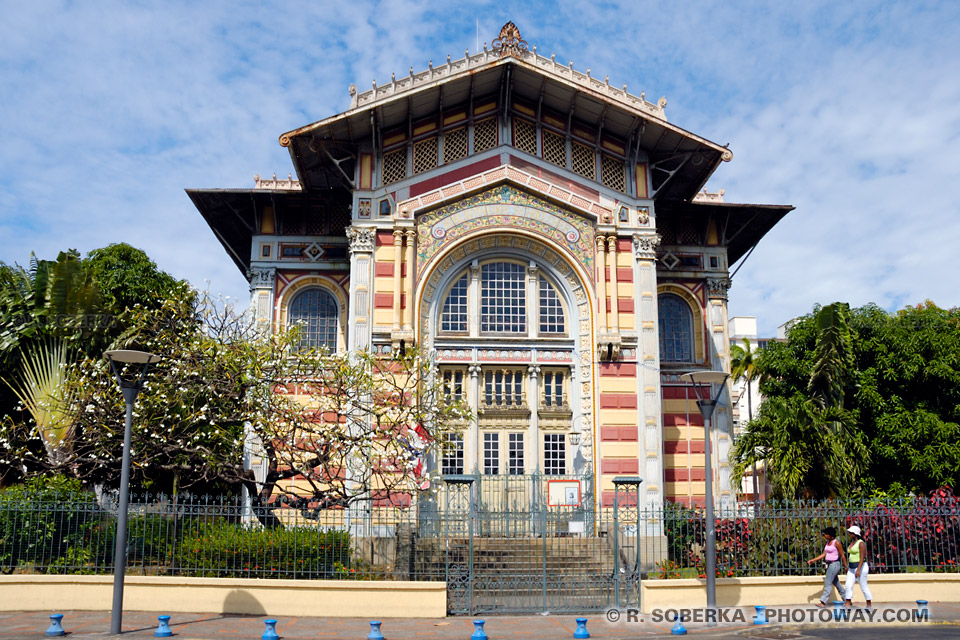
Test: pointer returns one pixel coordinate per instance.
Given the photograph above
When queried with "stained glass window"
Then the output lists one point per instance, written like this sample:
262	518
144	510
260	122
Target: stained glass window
315	311
676	329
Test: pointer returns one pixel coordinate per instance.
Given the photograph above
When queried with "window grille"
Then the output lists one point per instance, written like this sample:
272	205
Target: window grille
612	173
554	454
503	298
316	224
453	456
676	328
515	454
424	155
394	165
491	454
453	385
554	148
553	389
525	136
583	159
551	310
503	388
455	145
484	135
338	217
454	315
315	311
689	231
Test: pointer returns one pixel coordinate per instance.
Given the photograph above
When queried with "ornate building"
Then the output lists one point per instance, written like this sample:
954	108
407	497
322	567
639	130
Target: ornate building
537	228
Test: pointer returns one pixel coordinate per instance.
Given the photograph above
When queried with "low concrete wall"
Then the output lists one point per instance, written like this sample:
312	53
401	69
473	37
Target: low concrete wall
319	598
795	590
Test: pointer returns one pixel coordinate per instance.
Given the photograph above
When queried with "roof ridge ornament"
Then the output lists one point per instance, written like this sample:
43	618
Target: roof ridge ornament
509	42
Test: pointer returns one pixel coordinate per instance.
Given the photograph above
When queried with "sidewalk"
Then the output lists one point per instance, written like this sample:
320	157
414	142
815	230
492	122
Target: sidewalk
82	624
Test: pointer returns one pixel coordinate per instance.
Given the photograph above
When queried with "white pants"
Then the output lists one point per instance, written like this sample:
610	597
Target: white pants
852	577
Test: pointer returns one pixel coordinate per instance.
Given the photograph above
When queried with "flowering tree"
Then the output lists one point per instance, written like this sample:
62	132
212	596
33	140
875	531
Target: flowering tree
339	428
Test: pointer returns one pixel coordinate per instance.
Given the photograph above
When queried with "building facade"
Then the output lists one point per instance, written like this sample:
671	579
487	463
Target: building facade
538	230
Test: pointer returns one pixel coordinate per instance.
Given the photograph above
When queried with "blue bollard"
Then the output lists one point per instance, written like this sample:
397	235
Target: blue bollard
478	632
839	612
55	628
581	631
375	630
761	617
163	629
921	606
678	628
271	632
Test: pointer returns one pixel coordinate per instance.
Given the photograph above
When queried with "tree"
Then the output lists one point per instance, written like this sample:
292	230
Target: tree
808	439
743	369
888	382
347	427
127	277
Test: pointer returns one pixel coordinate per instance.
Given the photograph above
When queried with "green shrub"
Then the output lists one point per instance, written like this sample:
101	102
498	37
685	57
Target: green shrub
220	549
46	523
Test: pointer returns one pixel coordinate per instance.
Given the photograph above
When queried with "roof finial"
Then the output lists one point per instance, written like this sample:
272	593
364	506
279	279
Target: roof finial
509	42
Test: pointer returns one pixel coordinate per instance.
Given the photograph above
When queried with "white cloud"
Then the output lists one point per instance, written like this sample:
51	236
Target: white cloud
846	110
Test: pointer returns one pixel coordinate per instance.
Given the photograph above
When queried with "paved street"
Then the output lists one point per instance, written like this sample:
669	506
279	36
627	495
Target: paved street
945	623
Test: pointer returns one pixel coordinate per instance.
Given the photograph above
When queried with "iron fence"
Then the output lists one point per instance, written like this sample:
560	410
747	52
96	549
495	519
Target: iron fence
502	544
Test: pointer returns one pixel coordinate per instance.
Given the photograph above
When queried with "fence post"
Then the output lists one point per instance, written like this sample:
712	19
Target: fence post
627	486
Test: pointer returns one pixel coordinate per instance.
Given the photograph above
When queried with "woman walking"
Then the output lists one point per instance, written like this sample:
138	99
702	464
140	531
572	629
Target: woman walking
835	559
857	567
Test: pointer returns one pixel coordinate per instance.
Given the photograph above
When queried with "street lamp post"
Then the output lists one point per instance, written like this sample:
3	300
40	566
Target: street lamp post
130	386
707	405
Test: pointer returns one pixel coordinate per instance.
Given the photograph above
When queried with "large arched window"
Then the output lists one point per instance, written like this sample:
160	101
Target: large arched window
506	303
315	311
676	328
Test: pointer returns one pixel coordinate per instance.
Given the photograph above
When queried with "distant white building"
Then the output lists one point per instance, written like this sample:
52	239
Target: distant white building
746	401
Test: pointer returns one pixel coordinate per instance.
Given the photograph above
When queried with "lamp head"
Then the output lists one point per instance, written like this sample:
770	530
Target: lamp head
140	359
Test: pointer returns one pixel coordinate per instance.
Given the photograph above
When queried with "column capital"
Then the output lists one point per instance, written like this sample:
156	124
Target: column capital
645	245
261	277
718	287
533	371
474	369
612	243
398	233
361	238
411	234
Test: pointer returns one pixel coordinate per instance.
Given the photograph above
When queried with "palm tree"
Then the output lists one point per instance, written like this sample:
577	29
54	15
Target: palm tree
809	440
743	369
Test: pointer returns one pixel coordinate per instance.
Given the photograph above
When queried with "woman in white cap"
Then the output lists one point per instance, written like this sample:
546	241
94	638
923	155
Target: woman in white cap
857	567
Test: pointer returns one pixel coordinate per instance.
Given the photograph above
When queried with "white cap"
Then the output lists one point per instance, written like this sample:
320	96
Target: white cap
855	530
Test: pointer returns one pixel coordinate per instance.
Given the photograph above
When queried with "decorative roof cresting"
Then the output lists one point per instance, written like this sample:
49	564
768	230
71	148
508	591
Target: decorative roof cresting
509	42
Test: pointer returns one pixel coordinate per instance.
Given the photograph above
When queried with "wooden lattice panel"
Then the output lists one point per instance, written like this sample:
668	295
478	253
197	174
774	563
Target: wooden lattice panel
394	166
425	155
525	136
554	148
484	135
455	145
612	173
583	160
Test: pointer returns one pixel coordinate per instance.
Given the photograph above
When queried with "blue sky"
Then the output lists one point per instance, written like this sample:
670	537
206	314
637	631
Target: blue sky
848	110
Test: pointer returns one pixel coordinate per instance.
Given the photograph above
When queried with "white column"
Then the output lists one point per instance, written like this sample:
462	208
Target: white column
361	276
720	361
650	436
601	284
409	281
614	304
471	439
262	281
533	401
397	269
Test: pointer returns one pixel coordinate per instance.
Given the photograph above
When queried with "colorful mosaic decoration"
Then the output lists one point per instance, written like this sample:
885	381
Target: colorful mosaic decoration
504	208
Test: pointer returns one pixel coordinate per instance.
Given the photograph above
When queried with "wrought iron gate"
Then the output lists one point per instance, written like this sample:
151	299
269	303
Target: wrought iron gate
529	555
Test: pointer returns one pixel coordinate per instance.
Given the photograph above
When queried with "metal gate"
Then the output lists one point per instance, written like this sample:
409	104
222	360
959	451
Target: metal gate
507	545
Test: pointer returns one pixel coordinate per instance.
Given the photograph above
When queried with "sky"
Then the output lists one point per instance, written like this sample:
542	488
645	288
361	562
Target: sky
847	110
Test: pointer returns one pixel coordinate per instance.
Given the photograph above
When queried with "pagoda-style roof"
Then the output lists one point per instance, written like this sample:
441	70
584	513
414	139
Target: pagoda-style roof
509	71
740	226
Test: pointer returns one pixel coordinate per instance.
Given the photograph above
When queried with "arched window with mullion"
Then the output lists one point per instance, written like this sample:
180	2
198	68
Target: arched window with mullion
676	328
453	318
315	311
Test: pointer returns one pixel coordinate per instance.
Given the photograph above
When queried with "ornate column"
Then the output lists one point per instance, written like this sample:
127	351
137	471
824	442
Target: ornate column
533	401
397	270
473	431
601	284
720	360
614	303
650	436
361	267
262	280
533	302
473	298
408	282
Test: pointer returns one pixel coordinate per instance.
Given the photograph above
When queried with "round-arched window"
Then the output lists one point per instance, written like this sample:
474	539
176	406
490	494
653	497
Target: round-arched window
676	328
315	311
